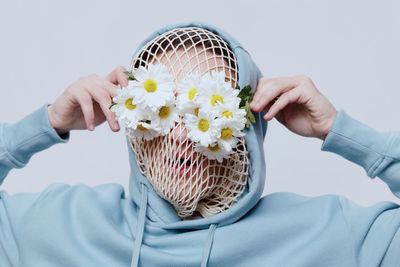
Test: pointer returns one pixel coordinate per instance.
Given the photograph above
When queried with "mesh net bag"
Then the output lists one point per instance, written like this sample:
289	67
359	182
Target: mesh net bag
192	183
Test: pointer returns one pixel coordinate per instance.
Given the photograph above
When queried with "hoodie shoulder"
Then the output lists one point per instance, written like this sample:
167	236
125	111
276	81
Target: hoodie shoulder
298	207
79	224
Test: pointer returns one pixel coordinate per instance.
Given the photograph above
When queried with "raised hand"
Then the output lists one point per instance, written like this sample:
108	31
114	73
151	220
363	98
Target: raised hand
85	103
296	103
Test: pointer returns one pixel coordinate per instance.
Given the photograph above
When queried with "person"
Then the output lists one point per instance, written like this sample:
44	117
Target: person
78	225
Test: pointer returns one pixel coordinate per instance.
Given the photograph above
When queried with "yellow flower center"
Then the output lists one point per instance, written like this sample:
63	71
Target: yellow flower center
129	105
150	86
203	125
164	112
226	133
214	148
196	111
215	98
227	114
192	93
141	128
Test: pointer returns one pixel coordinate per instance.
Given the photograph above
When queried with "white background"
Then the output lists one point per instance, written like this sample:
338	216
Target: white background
349	48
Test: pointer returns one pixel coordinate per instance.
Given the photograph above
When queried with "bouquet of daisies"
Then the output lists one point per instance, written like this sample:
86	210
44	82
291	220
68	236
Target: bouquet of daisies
214	113
146	107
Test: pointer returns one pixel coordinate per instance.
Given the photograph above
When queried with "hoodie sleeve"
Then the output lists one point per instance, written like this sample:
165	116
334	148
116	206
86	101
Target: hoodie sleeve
377	152
20	140
373	230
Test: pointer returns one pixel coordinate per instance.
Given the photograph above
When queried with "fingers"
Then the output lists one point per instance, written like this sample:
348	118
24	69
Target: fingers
102	92
111	88
118	76
269	89
85	101
291	96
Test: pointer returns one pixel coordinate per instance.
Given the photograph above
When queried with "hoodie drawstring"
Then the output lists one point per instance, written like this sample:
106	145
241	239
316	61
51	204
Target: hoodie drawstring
140	231
140	228
208	245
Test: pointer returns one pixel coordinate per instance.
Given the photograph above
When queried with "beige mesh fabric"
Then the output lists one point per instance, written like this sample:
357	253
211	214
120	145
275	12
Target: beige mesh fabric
191	182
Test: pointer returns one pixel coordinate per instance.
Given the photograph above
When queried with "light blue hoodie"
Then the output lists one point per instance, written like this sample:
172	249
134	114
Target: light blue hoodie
76	225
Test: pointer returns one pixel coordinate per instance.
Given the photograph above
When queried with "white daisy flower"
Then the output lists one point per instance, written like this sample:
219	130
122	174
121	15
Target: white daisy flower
144	129
212	151
187	90
231	111
168	115
125	108
201	128
216	90
152	86
194	111
228	132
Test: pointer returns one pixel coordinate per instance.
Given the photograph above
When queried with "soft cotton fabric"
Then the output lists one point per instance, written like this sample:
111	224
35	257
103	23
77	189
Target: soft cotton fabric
78	225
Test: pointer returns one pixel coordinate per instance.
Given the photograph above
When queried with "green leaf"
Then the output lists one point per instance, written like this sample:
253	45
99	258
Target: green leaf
130	76
249	115
246	96
246	90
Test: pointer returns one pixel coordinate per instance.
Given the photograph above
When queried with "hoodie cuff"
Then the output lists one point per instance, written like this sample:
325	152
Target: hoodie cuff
357	142
31	134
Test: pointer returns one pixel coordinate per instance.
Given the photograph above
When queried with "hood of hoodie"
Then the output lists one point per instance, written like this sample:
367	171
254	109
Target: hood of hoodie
159	210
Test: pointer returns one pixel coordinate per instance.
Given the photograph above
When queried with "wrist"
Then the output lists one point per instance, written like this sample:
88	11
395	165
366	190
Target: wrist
54	122
328	126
